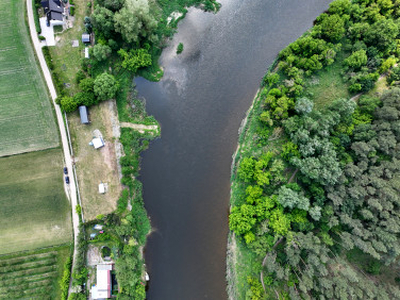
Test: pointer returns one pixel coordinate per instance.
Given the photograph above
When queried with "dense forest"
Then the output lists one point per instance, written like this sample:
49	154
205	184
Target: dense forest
315	188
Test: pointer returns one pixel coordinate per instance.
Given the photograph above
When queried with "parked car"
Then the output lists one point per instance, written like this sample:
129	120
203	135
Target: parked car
67	179
65	170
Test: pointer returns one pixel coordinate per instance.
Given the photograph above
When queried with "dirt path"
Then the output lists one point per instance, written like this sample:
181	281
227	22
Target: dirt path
139	127
65	144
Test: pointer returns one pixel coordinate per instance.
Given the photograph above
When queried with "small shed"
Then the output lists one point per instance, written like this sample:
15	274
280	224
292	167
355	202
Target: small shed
102	188
85	38
98	143
84	114
87	52
98	227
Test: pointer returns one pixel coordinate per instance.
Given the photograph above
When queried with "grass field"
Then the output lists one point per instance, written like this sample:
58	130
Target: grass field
95	166
26	116
328	84
34	211
32	275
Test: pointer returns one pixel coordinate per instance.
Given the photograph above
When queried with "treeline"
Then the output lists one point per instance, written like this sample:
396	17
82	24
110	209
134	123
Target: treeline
319	183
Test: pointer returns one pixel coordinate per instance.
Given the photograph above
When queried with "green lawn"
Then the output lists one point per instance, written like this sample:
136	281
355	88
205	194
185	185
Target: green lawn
33	275
26	117
34	211
328	84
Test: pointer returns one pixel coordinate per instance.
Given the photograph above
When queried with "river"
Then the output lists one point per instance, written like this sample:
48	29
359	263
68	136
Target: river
200	102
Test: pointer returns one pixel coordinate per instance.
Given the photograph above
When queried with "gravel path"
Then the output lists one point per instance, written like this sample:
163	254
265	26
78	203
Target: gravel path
65	145
138	127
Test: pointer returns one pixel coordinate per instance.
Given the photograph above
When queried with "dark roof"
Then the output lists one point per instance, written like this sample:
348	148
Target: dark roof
85	38
84	114
54	16
53	9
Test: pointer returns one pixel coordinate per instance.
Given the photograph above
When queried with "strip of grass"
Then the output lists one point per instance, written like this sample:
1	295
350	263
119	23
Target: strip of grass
34	211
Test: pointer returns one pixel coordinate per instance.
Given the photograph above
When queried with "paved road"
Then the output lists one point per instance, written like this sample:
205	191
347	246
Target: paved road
64	139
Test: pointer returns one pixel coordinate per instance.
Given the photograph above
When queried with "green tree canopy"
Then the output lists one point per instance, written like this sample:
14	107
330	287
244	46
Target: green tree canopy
135	22
105	86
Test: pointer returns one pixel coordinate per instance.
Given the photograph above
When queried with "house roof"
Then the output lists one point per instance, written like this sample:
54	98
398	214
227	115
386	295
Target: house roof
52	5
102	290
52	15
85	38
83	114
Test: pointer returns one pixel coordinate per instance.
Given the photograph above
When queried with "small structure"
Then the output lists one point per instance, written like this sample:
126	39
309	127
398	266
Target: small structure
85	38
53	10
102	288
97	142
92	235
75	43
98	227
102	188
87	52
83	114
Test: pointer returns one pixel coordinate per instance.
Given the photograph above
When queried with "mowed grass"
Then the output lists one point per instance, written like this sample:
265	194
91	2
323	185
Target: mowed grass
34	211
26	116
33	275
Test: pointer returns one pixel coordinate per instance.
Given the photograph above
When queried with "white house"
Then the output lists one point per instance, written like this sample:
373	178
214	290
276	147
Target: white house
102	288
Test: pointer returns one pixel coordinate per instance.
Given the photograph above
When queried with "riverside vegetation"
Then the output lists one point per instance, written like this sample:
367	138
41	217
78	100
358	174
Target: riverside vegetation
315	185
130	36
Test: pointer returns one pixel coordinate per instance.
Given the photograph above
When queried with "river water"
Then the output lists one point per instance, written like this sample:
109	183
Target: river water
200	102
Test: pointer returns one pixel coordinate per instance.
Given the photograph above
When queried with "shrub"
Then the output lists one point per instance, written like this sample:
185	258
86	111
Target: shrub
72	10
42	38
179	49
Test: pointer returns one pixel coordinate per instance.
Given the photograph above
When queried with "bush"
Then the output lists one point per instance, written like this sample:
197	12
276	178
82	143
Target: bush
47	57
72	10
42	38
179	49
105	251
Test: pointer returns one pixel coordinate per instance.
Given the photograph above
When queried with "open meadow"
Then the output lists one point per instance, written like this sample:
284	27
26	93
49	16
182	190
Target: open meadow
34	211
26	115
33	275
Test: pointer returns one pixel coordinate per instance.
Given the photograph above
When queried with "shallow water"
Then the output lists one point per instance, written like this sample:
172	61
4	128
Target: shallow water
200	103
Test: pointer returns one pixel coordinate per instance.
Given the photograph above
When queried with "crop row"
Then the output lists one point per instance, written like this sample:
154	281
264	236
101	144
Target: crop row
5	293
27	266
26	259
28	274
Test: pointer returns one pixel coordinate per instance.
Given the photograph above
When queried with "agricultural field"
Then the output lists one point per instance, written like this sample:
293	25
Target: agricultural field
26	115
32	275
34	211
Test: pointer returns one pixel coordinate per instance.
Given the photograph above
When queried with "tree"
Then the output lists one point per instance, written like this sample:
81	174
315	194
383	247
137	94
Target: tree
291	199
68	104
135	59
135	22
103	21
303	105
357	59
382	34
332	27
105	86
101	52
87	85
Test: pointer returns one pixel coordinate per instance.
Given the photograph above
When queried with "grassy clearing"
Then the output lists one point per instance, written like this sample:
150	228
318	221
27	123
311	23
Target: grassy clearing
95	166
26	116
32	275
34	211
328	84
66	59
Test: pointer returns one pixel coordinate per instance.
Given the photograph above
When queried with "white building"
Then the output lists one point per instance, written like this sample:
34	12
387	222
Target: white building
102	289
